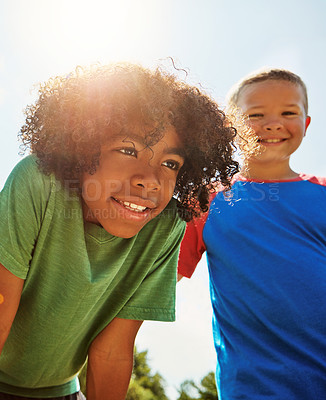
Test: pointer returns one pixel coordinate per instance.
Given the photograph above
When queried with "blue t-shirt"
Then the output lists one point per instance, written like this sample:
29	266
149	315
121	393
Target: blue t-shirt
266	252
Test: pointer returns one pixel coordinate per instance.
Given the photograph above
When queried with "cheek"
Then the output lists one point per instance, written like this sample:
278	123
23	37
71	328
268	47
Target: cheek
297	128
255	126
172	183
114	186
92	189
100	185
168	189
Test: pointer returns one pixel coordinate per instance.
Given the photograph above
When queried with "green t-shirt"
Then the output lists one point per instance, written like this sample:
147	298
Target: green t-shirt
78	277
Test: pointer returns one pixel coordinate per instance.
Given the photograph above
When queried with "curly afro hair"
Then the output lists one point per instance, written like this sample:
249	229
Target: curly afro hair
74	115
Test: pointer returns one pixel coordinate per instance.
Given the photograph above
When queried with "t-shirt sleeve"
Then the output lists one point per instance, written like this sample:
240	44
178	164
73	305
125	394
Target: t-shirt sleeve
22	206
319	180
155	297
192	247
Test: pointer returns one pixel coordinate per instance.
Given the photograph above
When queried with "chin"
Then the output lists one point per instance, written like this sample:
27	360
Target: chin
124	233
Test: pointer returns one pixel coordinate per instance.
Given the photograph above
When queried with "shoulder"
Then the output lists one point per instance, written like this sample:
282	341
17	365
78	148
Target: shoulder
27	180
27	163
318	180
27	169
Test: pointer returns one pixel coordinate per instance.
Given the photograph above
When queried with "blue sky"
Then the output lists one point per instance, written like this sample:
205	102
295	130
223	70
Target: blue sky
217	41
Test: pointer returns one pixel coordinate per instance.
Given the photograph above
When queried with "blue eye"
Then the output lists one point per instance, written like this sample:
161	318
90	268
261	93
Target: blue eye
129	151
175	165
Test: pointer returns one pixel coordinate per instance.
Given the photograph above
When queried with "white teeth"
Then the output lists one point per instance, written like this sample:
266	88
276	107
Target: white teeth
133	207
271	140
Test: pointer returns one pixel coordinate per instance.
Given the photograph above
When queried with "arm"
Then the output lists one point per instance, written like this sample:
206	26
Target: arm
10	292
110	360
192	245
192	248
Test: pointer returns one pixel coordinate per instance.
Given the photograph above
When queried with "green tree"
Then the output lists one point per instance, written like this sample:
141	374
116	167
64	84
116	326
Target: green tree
205	391
187	391
144	385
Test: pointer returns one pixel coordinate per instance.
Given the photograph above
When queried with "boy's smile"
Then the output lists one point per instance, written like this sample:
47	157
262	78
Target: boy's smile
277	115
133	183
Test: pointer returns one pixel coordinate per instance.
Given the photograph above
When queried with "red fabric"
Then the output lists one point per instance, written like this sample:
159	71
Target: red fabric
300	177
314	179
192	245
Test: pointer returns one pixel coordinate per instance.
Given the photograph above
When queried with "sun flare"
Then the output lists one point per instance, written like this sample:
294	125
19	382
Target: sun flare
84	31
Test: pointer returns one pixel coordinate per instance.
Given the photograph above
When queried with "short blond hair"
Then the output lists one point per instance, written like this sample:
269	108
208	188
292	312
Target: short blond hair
266	74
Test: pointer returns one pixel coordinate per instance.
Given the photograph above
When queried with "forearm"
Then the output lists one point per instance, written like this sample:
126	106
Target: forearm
110	360
10	294
108	379
4	332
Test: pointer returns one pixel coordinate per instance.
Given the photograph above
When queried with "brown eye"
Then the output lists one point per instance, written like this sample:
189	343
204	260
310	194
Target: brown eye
129	151
175	165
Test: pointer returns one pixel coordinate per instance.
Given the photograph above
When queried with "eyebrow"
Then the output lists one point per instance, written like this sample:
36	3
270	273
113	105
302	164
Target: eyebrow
175	150
292	105
129	137
283	105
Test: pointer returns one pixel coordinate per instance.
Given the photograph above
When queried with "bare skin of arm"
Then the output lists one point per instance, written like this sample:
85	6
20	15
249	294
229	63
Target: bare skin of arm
10	293
110	360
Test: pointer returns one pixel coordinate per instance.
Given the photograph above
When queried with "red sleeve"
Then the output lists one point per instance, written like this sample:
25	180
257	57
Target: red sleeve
192	247
318	180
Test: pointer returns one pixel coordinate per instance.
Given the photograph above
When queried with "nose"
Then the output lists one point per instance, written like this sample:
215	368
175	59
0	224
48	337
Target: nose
273	125
148	181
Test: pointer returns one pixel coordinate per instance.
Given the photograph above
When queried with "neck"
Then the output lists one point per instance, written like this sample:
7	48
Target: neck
267	171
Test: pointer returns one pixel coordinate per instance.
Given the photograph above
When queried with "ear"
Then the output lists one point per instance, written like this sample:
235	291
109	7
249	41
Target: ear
307	123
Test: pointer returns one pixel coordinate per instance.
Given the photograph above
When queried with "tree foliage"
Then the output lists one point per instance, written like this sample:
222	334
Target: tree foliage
144	385
205	391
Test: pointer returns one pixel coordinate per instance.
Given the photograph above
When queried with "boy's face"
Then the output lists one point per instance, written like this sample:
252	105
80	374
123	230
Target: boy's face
133	182
277	115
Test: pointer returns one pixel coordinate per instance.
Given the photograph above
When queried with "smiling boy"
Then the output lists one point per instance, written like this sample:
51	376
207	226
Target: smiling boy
89	230
266	253
278	113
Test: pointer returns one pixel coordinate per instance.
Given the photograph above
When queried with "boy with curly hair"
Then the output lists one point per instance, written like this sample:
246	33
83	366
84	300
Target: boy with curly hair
268	287
90	223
